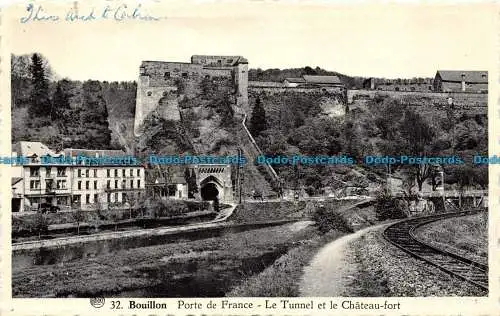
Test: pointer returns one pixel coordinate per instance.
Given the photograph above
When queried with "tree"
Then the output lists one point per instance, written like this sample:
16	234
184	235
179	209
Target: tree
40	104
190	177
258	119
60	102
309	71
78	218
417	136
40	224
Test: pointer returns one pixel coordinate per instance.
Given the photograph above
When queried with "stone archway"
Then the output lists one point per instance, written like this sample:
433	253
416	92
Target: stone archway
211	188
209	192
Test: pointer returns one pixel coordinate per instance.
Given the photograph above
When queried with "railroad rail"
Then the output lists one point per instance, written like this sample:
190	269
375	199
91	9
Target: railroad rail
402	235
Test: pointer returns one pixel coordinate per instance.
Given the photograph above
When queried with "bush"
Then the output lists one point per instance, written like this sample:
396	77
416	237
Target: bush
388	207
329	219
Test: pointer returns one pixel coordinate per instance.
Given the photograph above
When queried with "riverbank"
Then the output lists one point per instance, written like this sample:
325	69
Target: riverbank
207	267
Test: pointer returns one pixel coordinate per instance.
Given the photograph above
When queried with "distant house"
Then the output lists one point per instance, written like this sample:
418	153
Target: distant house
323	81
176	187
404	85
461	81
294	82
314	81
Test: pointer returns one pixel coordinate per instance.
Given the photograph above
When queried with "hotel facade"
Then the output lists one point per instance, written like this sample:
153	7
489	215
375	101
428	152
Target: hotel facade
71	184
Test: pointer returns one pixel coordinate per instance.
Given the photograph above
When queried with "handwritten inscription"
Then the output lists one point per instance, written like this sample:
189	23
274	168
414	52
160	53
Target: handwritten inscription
122	12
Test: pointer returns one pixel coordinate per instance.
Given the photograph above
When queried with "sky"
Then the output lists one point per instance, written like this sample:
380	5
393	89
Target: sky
405	40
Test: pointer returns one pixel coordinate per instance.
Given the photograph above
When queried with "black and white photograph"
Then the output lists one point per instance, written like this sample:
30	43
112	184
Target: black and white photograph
264	149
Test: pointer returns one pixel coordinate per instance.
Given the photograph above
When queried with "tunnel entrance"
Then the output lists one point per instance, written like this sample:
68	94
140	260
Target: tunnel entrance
209	192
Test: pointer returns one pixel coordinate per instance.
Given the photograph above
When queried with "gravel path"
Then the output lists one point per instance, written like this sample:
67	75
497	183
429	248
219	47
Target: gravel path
364	264
333	268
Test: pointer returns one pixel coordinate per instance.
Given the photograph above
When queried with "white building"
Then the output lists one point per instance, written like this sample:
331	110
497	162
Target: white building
68	184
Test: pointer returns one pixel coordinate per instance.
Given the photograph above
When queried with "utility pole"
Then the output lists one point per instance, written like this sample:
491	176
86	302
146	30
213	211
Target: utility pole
239	175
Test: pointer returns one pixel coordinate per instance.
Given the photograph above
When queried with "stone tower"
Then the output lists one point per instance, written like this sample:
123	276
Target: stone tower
157	87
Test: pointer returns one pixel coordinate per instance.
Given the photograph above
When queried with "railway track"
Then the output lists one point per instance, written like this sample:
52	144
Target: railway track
402	235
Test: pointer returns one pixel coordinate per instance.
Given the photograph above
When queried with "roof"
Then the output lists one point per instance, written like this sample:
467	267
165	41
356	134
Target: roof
173	180
15	180
226	60
93	152
28	149
265	84
322	79
296	80
470	76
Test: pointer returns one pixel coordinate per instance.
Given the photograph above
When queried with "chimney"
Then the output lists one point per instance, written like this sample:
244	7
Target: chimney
463	82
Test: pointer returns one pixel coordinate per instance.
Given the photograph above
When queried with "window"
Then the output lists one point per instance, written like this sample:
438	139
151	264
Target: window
108	173
87	185
116	196
76	199
61	184
116	184
131	172
95	198
95	185
48	184
131	184
87	198
108	197
124	184
123	173
35	184
116	172
108	184
138	172
95	173
139	184
79	173
35	171
124	197
149	93
87	173
167	75
79	185
184	75
61	171
48	171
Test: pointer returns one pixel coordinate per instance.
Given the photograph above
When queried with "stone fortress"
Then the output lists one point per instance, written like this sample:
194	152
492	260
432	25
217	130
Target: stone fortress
159	82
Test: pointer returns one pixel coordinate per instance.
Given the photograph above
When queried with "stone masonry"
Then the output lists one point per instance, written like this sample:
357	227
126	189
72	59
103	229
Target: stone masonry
159	82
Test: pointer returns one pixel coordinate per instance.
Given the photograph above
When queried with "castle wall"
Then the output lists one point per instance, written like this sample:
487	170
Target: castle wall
461	100
159	79
273	90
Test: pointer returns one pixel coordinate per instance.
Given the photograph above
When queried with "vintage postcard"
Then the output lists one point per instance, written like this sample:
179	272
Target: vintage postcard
249	158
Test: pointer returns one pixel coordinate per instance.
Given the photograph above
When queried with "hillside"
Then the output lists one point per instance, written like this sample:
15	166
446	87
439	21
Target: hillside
382	126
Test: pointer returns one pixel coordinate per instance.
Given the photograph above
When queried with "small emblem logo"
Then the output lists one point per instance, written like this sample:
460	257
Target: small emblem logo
97	302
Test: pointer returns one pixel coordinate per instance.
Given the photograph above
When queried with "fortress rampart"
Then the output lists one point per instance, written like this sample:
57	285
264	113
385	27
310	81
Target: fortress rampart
162	84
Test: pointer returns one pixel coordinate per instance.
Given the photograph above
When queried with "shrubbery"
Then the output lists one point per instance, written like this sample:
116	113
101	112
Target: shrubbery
388	207
328	219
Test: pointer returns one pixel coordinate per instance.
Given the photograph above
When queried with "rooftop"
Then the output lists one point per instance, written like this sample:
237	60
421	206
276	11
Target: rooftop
72	152
29	149
322	79
296	80
469	76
